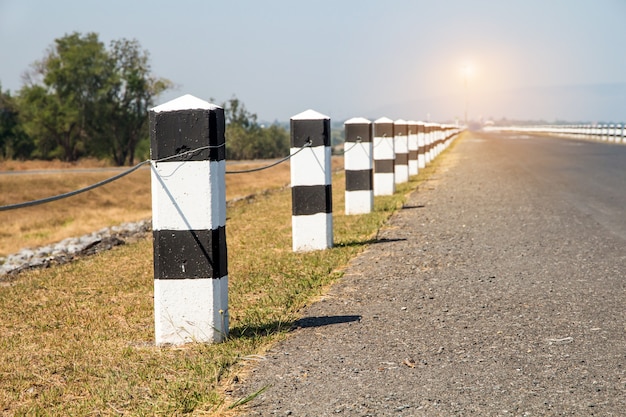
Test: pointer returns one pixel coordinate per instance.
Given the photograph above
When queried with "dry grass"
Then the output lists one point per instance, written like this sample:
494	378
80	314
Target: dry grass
78	339
16	165
125	200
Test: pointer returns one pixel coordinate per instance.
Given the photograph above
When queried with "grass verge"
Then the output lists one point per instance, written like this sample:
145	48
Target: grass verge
78	339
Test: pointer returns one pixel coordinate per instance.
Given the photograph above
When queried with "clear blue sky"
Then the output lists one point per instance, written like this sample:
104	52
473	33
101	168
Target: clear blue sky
550	59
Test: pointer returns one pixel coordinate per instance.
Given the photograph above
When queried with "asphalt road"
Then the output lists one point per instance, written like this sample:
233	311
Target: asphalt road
589	175
499	290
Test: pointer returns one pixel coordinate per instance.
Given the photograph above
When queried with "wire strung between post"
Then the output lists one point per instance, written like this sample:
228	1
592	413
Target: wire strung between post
354	145
72	193
133	169
192	151
280	161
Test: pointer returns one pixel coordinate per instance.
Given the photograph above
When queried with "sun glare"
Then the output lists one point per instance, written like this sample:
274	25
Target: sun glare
467	70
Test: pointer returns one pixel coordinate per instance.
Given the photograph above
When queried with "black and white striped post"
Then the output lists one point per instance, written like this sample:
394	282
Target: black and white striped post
413	164
428	129
358	165
188	221
401	147
384	157
421	145
311	191
438	140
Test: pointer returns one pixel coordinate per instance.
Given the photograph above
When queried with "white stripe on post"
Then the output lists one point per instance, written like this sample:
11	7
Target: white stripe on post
358	166
401	147
413	146
188	222
384	157
311	191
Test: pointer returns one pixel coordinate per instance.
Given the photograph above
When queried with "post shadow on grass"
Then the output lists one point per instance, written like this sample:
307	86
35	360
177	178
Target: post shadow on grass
265	329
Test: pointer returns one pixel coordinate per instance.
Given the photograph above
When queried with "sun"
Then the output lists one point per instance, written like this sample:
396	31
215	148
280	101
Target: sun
467	70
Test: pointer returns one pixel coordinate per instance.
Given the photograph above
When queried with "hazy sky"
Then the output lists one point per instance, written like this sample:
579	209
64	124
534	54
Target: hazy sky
550	59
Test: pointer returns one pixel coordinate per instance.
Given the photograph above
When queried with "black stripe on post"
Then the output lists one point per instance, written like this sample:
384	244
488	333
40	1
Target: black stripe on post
310	132
402	158
359	180
311	199
358	132
384	130
185	254
384	166
173	133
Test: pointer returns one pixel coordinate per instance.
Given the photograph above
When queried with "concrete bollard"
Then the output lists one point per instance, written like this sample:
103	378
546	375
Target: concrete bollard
428	140
434	141
188	221
596	131
401	148
358	166
438	140
311	191
413	146
611	133
421	145
384	157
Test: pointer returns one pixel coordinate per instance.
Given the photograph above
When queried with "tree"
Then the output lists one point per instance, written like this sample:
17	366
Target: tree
246	139
60	95
123	120
83	99
14	142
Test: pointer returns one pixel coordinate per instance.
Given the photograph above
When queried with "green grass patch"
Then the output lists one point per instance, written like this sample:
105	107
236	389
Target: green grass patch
78	339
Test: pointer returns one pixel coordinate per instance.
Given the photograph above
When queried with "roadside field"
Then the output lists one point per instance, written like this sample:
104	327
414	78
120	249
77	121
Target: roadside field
78	339
125	200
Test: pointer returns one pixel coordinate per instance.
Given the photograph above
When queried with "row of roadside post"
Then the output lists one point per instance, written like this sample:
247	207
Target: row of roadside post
188	168
377	156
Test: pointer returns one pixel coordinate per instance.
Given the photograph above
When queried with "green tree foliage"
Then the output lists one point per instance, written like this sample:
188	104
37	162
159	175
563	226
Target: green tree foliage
61	94
123	121
14	142
83	99
247	139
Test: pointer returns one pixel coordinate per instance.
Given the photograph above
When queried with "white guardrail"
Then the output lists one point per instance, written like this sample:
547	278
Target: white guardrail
601	132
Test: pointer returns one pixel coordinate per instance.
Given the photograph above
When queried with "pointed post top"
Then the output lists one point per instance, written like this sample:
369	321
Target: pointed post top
357	120
309	115
186	102
383	120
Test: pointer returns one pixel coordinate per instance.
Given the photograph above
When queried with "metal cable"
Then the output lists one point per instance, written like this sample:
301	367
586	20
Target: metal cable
72	193
136	167
354	145
245	171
